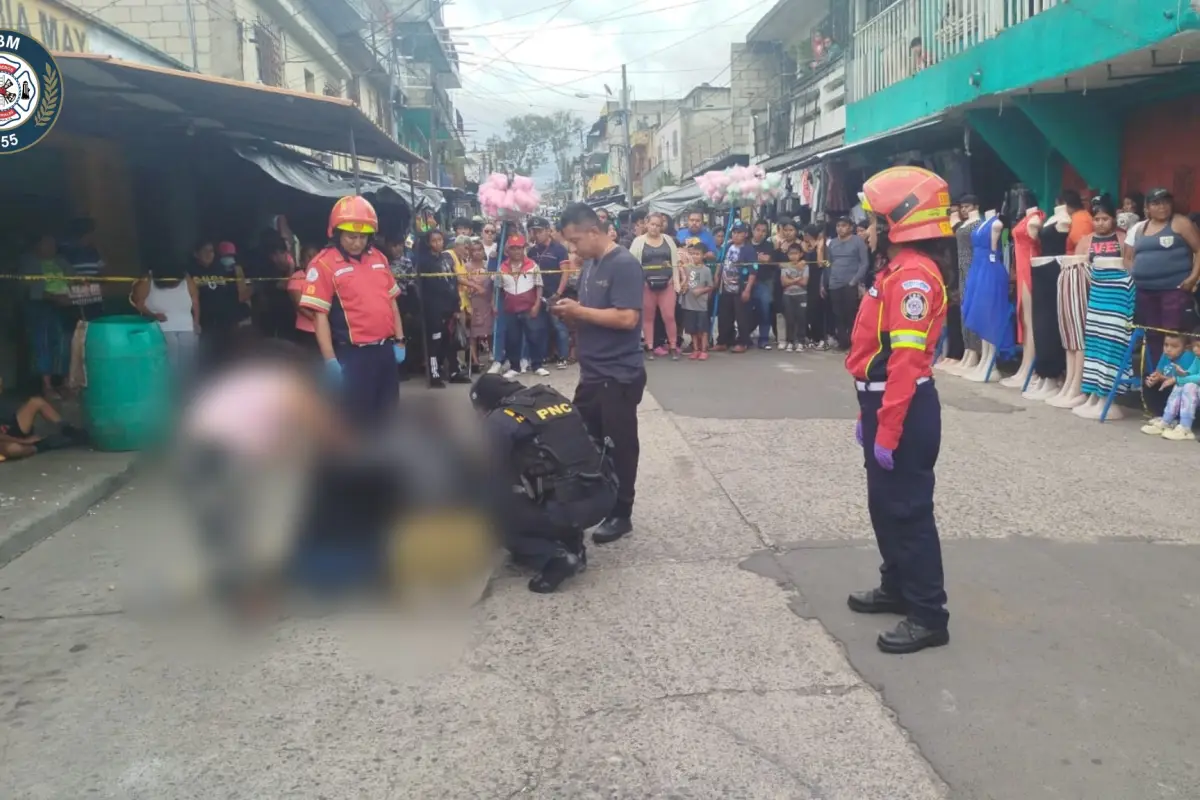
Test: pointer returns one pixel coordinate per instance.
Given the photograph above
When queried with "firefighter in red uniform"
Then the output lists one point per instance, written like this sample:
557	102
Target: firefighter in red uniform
900	425
350	286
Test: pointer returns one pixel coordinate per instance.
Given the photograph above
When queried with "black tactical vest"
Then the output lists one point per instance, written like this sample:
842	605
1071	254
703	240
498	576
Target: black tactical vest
560	465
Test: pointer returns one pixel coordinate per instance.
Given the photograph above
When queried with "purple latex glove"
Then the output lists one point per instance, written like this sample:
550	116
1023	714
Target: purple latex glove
858	432
884	458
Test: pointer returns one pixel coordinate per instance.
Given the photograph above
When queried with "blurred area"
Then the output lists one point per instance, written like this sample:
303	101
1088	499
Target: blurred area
287	507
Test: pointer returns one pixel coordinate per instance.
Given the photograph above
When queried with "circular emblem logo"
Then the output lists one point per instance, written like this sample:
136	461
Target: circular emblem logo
30	91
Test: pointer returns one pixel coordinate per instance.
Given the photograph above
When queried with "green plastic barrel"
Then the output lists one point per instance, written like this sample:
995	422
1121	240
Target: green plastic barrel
128	401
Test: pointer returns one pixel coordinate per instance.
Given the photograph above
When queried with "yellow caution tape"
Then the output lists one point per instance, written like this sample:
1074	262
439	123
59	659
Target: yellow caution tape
223	279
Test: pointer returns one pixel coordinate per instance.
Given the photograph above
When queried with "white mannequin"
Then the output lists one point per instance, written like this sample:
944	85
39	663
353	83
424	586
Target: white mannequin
981	373
1091	408
970	357
1027	348
1042	388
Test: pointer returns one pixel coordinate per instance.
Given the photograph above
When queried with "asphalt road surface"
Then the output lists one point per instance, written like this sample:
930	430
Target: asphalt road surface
709	655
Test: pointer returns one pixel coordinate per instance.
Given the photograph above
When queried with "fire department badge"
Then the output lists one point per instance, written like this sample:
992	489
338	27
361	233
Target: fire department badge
31	92
915	306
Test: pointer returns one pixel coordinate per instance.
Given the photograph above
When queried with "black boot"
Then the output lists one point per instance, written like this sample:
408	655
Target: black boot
911	637
557	570
876	601
460	378
612	529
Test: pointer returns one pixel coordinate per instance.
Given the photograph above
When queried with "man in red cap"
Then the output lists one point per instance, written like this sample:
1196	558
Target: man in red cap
521	304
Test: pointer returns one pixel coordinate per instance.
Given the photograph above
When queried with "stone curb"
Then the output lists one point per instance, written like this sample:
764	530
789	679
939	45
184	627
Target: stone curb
26	533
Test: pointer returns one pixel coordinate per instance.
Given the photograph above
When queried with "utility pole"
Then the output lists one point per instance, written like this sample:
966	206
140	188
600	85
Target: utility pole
628	148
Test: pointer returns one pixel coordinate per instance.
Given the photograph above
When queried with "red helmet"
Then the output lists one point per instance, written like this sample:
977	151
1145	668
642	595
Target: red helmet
914	201
354	214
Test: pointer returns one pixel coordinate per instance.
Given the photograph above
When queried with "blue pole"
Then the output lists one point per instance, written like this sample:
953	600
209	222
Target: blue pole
496	290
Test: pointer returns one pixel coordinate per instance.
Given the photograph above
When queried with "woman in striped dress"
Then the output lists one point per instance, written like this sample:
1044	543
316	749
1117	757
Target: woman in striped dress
1109	308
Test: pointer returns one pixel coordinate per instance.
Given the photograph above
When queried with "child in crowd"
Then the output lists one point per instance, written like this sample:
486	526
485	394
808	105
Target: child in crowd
481	293
1171	375
699	283
794	280
17	420
1178	370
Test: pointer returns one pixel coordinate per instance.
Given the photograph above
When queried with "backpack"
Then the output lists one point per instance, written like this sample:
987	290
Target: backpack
561	467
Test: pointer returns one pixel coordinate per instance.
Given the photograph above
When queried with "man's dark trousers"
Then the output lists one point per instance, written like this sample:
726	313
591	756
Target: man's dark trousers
370	381
900	502
609	410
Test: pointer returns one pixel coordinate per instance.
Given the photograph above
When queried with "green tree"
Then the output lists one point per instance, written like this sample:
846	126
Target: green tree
532	140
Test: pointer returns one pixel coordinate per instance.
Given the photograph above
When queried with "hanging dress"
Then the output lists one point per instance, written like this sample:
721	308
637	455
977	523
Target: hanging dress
1109	315
1073	281
1025	248
986	309
965	254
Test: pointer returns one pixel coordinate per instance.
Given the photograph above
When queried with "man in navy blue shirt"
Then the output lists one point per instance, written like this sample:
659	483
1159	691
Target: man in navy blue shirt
696	230
549	255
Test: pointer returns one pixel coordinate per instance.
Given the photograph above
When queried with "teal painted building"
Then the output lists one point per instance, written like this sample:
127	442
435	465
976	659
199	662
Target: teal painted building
1048	84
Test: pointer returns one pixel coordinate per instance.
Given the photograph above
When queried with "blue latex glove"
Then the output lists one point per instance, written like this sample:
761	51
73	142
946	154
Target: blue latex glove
858	432
333	371
398	349
885	458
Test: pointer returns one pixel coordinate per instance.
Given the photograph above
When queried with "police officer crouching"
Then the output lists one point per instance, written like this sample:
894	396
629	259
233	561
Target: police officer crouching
892	348
561	481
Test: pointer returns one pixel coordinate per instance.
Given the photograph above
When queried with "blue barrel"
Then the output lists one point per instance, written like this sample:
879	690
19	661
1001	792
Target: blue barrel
128	401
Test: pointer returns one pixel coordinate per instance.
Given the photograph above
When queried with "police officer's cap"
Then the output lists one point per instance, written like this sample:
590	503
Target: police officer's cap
538	223
490	390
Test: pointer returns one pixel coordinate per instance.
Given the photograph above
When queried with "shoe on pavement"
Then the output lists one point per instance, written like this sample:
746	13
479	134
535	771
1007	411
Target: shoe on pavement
674	355
557	570
542	372
660	351
612	529
562	363
496	368
511	374
791	348
738	349
460	378
766	346
911	637
1178	434
1154	427
876	601
703	356
694	355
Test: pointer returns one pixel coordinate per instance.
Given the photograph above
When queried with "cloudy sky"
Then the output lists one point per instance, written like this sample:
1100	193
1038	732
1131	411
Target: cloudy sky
539	56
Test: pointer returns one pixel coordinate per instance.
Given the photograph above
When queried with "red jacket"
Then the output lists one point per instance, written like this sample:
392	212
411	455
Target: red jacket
895	335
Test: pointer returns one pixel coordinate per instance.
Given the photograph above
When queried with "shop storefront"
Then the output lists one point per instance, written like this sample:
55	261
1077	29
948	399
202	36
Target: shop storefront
159	158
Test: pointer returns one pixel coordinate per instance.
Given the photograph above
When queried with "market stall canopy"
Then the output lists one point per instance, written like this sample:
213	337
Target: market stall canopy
674	202
232	108
312	177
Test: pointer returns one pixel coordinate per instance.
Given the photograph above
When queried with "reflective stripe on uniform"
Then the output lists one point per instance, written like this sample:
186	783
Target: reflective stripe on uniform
915	340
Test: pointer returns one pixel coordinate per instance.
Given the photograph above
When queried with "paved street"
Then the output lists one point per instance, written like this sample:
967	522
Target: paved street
710	655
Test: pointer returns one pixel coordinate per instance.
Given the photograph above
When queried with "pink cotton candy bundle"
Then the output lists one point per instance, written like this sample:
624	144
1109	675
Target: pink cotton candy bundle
508	197
740	186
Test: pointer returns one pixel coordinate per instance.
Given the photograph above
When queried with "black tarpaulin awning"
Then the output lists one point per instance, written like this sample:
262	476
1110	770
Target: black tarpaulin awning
312	177
233	108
